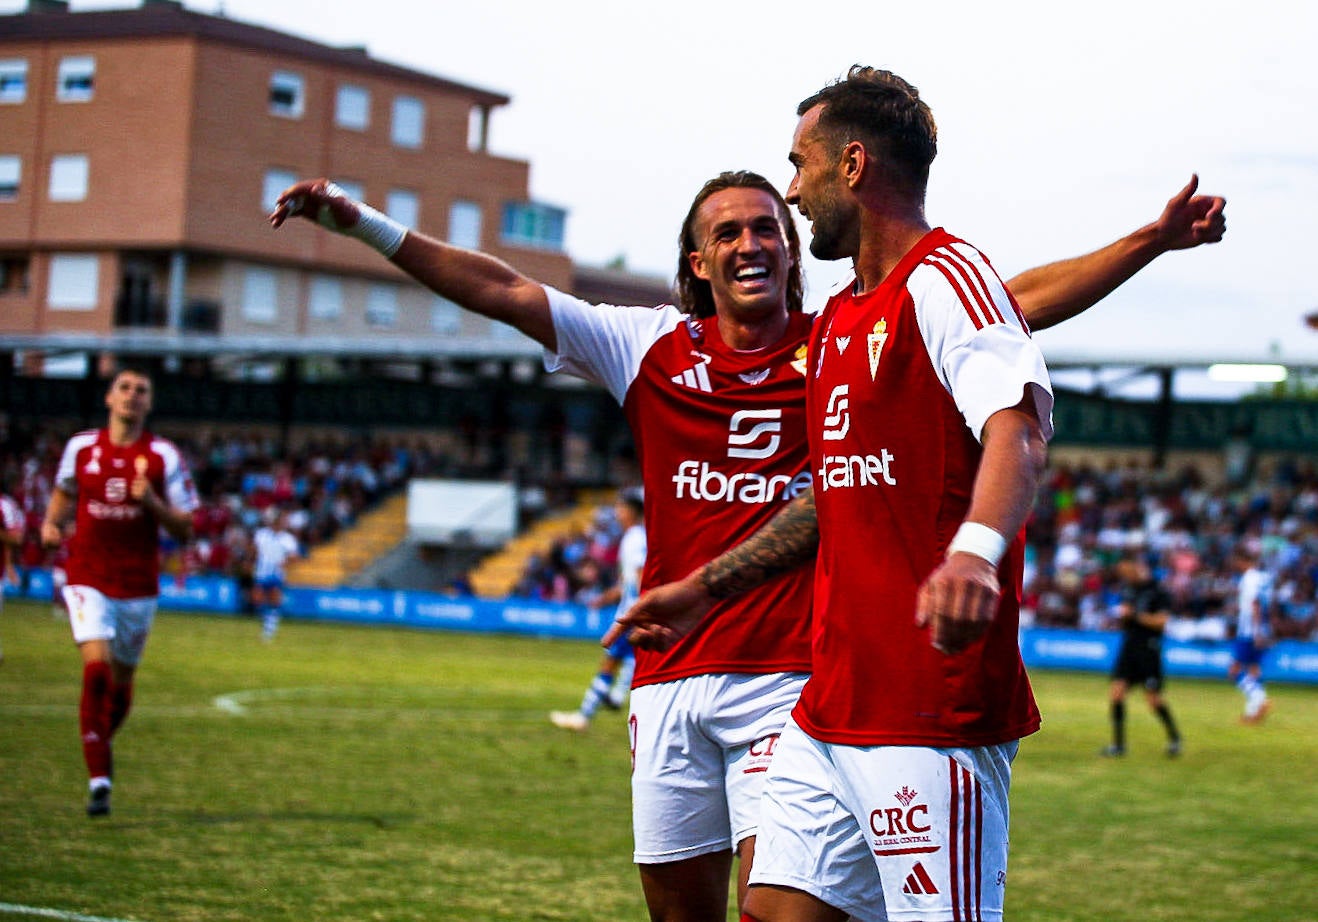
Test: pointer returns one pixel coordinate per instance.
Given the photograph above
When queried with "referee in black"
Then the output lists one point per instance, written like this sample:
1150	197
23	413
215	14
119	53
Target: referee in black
1143	611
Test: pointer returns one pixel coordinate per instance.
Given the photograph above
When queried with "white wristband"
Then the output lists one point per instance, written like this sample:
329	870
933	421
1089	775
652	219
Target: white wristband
980	540
373	228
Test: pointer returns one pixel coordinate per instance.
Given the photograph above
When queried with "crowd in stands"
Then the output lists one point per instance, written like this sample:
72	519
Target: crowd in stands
1085	519
1190	532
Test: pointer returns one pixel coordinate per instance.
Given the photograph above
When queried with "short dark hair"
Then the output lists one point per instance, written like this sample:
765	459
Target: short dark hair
694	294
633	499
883	112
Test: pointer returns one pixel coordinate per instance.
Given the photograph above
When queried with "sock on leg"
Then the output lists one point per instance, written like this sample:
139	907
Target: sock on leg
595	694
1169	723
622	682
94	718
1119	724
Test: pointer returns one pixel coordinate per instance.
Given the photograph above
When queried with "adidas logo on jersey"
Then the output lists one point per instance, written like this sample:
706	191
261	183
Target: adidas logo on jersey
696	378
919	882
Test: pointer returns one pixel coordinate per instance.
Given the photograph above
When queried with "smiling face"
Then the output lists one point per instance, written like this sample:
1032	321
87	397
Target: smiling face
743	252
819	192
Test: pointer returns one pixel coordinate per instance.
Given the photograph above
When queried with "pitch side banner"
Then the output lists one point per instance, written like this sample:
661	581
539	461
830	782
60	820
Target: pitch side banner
1042	648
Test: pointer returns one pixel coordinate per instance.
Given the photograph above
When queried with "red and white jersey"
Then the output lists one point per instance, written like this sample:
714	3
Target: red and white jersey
721	439
902	380
11	518
115	543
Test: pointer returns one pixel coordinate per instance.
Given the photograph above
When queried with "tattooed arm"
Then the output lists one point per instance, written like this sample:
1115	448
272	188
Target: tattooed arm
664	615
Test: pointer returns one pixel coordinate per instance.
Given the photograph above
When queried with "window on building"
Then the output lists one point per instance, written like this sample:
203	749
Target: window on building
445	316
287	94
325	298
13	273
13	80
260	296
464	225
532	224
68	177
352	107
403	206
382	306
11	175
477	126
275	182
76	79
409	121
73	283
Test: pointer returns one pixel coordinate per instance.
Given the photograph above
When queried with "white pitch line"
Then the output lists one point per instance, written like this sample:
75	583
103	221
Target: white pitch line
16	910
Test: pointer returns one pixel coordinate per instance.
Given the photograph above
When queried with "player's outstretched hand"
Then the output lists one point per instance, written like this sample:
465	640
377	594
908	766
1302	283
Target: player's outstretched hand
1189	219
316	200
958	602
663	615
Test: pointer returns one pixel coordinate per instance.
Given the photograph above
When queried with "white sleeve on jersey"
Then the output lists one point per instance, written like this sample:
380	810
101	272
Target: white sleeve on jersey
977	345
179	489
11	516
604	343
66	478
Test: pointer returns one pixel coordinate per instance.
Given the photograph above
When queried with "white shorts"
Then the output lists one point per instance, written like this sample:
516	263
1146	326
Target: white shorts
888	832
124	622
700	750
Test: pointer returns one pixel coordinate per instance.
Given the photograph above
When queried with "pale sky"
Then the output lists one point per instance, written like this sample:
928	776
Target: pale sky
1061	127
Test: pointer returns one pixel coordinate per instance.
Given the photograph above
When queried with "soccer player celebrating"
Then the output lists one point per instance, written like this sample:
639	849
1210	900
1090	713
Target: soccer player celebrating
714	391
928	410
121	485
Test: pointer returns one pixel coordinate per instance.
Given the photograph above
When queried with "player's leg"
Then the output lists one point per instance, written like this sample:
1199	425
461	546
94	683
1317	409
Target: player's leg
93	630
622	678
1257	702
1117	716
690	890
1158	704
132	620
813	859
679	804
753	708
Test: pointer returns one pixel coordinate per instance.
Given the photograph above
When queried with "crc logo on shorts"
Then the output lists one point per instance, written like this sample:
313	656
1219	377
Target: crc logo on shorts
754	433
903	829
837	416
760	755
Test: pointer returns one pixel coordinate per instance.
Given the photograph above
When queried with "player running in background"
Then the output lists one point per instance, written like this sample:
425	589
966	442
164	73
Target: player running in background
618	664
274	545
120	485
11	539
714	390
1253	632
1144	609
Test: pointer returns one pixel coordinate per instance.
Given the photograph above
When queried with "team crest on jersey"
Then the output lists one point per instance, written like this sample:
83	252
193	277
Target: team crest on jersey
755	377
878	336
798	360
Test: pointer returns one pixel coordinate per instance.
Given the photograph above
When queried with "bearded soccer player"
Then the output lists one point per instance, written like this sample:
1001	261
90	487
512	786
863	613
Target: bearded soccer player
121	485
927	407
714	391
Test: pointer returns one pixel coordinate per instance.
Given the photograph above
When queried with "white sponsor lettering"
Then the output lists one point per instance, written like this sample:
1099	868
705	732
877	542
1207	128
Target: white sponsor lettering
837	417
846	471
697	480
100	510
764	426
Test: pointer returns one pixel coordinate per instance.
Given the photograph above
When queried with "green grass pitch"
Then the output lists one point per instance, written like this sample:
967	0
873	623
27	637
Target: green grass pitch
353	773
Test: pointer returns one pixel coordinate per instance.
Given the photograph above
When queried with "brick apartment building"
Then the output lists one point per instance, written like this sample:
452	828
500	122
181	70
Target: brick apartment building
140	150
